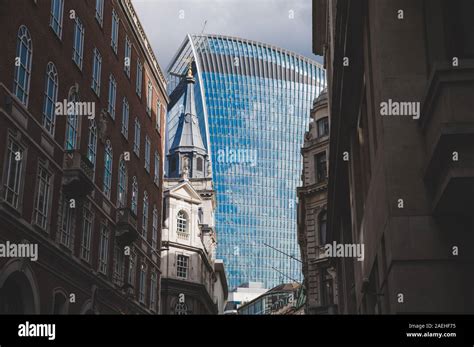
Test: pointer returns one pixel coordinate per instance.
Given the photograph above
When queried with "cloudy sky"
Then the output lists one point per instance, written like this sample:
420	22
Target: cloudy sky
268	21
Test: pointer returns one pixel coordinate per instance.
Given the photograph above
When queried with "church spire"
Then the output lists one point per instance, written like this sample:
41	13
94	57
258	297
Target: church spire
188	156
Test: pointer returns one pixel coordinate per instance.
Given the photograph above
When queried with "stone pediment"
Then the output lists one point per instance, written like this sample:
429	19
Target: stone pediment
184	191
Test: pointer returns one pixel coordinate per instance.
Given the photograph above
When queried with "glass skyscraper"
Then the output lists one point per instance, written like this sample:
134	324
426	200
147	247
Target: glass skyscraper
253	102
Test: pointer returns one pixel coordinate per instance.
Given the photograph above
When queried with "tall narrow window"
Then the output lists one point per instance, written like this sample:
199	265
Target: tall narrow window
125	117
87	226
115	29
156	176
122	184
56	20
322	218
72	123
78	44
158	117
112	96
182	222
119	266
147	153
43	192
149	98
134	195
99	11
96	71
67	224
132	268
14	172
127	62
145	215
182	266
142	284
321	168
108	159
24	53
92	143
136	142
139	81
154	234
103	249
153	290
50	98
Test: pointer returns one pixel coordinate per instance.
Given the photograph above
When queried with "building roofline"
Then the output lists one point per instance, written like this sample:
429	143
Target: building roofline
263	44
144	44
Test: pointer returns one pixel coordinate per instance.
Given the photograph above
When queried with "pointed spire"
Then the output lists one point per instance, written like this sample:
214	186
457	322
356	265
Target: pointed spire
188	136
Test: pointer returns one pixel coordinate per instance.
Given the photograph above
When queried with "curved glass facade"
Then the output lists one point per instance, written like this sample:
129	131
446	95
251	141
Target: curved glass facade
253	102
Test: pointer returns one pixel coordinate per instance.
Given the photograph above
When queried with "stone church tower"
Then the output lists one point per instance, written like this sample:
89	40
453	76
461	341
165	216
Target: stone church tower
193	280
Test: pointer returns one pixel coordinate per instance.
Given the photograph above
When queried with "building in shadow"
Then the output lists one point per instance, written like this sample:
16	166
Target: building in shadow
401	162
318	271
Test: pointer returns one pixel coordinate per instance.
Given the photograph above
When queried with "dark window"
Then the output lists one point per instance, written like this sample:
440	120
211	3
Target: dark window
327	289
323	127
199	164
322	227
172	165
59	306
321	168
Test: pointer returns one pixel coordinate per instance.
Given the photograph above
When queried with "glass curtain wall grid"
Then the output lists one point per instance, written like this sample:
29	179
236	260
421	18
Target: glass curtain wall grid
253	103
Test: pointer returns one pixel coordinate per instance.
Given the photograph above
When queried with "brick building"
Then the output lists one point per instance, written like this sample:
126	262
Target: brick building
401	183
319	274
83	182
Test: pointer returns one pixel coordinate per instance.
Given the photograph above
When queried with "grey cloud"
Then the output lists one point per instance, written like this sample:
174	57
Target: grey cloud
260	20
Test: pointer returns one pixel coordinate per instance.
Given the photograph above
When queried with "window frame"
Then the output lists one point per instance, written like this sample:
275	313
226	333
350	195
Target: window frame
114	32
50	98
22	36
182	266
103	249
58	21
47	185
78	52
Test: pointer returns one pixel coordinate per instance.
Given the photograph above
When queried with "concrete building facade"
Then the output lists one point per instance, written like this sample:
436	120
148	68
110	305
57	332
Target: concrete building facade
401	164
81	113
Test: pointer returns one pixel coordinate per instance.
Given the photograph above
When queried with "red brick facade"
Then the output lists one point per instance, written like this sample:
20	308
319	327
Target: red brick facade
61	280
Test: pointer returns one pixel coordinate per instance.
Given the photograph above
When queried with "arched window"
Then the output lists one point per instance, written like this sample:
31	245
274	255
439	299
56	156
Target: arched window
24	54
145	215
50	98
134	195
72	122
182	222
92	143
122	184
322	218
60	305
108	158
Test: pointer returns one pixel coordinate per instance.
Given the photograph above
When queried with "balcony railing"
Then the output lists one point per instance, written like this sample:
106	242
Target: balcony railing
182	236
78	175
126	226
